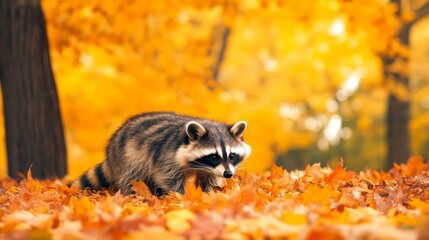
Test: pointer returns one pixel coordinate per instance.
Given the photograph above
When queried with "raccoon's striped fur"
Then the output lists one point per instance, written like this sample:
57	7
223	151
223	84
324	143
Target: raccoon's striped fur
163	148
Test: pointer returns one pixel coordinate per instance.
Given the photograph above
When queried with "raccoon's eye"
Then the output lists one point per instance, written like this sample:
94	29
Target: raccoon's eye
234	158
211	160
214	158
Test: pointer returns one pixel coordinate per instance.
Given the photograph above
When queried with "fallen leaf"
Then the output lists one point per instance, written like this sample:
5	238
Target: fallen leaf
179	220
140	188
338	174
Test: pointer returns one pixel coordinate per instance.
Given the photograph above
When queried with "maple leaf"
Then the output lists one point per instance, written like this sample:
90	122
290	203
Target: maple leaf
276	171
415	165
192	192
383	204
140	188
352	197
246	194
319	195
69	191
314	171
338	174
82	208
31	186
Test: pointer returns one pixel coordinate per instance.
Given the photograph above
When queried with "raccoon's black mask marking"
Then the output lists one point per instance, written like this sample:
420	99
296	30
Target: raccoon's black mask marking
211	160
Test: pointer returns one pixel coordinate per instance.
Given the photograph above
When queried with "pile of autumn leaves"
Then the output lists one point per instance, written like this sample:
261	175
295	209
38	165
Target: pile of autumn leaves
316	203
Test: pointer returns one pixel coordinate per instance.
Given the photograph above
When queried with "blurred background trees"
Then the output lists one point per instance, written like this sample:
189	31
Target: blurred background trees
314	79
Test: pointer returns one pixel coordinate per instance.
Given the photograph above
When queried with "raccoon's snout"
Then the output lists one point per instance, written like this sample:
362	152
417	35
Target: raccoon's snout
228	174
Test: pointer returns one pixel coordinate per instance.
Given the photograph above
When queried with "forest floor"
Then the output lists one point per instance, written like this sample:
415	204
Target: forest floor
313	203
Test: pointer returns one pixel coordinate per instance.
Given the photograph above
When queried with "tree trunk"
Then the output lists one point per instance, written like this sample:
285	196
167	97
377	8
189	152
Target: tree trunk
398	111
218	47
397	130
34	130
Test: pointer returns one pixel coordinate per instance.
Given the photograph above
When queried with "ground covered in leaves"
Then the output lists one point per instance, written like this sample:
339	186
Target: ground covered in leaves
315	203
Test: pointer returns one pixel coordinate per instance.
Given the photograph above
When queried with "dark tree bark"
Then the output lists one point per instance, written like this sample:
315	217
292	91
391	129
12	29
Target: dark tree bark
398	110
219	43
34	130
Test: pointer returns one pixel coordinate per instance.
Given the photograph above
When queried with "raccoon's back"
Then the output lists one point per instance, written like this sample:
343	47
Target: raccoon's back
145	146
134	150
154	132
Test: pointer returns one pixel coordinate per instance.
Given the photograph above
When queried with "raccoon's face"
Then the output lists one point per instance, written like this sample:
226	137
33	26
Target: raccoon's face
214	147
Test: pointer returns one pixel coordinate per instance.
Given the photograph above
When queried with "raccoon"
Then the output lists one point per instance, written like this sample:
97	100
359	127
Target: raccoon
163	149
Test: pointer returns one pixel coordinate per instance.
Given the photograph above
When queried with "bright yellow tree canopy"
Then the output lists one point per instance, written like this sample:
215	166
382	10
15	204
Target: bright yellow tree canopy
302	73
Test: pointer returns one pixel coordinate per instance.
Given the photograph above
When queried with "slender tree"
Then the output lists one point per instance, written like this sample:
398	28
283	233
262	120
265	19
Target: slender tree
34	130
398	111
219	43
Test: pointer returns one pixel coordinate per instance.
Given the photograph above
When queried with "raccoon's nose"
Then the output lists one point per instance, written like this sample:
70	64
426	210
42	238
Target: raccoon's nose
227	174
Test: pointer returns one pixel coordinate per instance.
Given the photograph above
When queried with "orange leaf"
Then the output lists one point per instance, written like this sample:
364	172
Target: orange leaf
192	192
276	171
416	165
179	220
324	233
141	189
292	218
319	195
338	174
421	205
314	171
29	175
412	167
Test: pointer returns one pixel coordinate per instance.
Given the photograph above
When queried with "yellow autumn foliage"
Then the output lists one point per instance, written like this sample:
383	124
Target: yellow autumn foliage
289	68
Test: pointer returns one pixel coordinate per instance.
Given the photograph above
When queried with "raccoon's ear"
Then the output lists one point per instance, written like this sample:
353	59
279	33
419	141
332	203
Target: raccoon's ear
238	129
195	130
